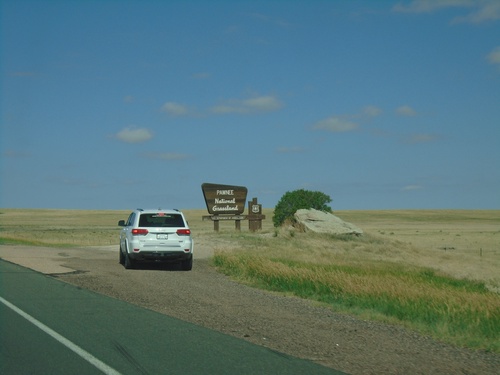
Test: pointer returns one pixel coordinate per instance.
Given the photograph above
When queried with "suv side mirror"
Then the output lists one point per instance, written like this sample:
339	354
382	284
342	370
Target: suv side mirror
121	223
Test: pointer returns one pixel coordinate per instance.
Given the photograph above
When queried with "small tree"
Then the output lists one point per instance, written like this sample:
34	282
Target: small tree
295	200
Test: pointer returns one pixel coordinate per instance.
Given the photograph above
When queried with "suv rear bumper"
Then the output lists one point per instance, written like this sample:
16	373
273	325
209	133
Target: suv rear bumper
166	256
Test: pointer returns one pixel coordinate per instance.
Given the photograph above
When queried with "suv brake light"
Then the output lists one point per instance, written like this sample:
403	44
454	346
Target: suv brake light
139	232
183	232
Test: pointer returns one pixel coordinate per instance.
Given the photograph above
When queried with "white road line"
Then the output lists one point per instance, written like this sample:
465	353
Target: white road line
82	353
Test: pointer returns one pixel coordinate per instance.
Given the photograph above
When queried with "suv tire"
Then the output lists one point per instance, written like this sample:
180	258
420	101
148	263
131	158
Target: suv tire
122	257
187	265
128	263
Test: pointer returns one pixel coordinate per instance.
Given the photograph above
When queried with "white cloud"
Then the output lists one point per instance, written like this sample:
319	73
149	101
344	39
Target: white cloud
406	110
412	187
16	154
290	150
22	74
128	99
372	111
258	104
263	104
422	138
202	75
486	11
224	109
428	6
347	123
494	56
268	19
478	10
336	124
174	109
134	135
168	156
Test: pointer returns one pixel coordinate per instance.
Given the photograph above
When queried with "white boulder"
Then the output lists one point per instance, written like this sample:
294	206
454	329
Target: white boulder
324	222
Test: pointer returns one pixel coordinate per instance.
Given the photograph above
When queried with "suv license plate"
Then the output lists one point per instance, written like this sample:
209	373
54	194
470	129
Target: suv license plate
162	236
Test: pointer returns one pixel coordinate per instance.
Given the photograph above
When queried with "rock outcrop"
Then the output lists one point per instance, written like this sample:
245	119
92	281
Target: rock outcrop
324	222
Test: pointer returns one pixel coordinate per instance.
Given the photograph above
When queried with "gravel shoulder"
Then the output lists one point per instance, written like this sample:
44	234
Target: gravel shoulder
282	323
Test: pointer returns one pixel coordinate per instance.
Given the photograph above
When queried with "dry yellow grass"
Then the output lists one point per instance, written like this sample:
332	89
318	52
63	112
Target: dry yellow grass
411	267
61	227
461	243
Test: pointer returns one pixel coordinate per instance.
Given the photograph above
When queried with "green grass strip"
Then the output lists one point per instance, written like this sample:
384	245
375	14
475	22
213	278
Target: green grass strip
461	312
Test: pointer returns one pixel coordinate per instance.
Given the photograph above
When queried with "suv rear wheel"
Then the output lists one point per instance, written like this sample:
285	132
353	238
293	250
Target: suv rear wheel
127	262
187	265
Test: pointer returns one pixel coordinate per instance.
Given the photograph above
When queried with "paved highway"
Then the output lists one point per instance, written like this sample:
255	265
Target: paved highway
50	327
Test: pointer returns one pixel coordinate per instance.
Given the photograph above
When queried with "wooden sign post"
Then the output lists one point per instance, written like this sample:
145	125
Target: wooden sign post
255	216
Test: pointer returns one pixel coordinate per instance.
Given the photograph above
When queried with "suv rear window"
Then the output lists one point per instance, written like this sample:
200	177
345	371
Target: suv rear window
161	219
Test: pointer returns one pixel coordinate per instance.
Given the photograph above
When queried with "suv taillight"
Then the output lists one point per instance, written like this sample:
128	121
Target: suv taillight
139	232
183	232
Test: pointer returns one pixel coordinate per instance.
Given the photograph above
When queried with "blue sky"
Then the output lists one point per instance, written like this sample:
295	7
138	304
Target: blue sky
125	104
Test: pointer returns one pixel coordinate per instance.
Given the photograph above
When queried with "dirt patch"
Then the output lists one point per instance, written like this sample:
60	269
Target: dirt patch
286	324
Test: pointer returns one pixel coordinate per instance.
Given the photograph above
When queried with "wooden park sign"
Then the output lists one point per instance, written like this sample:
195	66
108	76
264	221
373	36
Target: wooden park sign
224	199
227	202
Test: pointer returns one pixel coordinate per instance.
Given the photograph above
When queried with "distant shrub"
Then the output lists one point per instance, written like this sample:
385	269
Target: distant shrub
295	200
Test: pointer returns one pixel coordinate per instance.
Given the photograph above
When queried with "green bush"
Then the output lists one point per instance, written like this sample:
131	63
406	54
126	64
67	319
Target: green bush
295	200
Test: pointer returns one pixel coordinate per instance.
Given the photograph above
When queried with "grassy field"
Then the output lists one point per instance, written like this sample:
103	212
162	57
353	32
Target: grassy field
60	227
435	271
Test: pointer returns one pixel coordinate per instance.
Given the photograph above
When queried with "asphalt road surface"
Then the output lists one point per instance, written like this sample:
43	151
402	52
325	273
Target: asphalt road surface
50	327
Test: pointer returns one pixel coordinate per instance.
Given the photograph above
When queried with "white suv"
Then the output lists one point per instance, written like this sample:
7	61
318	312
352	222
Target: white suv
156	235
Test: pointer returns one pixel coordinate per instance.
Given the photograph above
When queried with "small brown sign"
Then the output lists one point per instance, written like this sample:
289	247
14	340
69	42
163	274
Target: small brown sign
224	199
